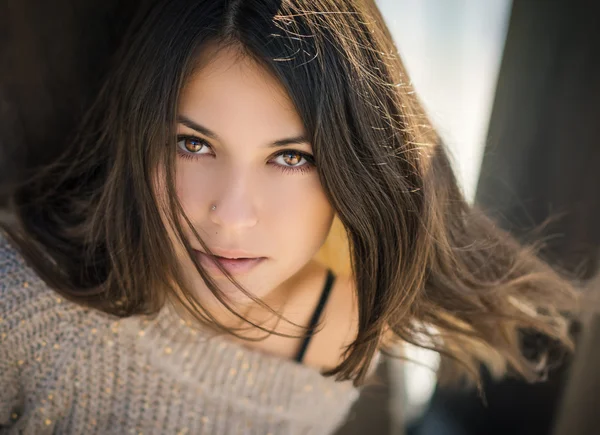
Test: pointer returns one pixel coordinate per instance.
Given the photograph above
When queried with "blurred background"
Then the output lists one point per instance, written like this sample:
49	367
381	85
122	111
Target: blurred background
513	88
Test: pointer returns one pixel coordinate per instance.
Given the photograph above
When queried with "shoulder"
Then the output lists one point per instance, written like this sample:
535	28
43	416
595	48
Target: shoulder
20	286
40	333
30	311
339	325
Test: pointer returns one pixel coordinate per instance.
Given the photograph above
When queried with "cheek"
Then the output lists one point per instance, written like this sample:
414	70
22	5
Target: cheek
191	186
300	214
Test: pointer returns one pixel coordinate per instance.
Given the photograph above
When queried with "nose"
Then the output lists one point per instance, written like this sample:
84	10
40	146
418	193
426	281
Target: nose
235	204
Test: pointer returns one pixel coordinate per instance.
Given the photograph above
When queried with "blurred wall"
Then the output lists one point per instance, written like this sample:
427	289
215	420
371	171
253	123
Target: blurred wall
542	161
52	57
452	50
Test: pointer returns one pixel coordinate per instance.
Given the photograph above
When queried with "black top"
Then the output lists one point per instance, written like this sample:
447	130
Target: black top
317	314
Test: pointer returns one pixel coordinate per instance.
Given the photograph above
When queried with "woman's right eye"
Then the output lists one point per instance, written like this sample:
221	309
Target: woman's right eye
190	146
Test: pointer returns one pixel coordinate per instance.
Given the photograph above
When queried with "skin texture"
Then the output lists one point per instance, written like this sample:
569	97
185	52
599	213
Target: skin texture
268	204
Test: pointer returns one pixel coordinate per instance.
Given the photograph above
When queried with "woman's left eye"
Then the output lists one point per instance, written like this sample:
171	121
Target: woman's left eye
291	160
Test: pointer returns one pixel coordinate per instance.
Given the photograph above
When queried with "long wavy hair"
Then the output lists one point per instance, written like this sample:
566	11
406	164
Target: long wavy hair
428	268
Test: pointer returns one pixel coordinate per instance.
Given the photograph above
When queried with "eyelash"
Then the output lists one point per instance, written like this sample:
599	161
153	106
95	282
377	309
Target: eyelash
310	161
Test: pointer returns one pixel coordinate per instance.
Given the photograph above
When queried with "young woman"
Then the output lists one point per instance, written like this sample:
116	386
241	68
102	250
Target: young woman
162	275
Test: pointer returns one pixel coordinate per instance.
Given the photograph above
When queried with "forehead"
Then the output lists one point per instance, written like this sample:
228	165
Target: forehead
229	88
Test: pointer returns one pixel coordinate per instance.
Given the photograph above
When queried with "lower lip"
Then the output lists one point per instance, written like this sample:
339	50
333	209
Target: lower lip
232	266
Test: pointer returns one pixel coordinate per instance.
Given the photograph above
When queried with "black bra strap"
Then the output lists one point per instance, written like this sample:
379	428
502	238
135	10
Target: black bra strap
317	314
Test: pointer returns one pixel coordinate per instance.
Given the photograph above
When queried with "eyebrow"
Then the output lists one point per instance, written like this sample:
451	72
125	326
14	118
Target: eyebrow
297	140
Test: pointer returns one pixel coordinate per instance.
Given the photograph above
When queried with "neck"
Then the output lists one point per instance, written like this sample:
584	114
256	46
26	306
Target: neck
253	312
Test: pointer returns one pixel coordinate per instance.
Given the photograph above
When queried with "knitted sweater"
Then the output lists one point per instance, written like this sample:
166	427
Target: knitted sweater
68	369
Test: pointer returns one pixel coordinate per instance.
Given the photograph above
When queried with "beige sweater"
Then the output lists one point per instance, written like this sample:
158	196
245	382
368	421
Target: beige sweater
71	370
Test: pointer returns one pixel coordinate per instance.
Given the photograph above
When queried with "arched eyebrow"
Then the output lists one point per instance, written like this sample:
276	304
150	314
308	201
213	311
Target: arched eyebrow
296	140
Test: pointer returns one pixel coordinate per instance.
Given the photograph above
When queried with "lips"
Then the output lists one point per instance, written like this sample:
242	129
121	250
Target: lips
234	262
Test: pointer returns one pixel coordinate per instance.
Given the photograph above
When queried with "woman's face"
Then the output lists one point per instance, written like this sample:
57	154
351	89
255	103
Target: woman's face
240	149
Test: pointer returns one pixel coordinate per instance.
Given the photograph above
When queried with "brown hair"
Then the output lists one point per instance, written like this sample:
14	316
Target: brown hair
429	268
